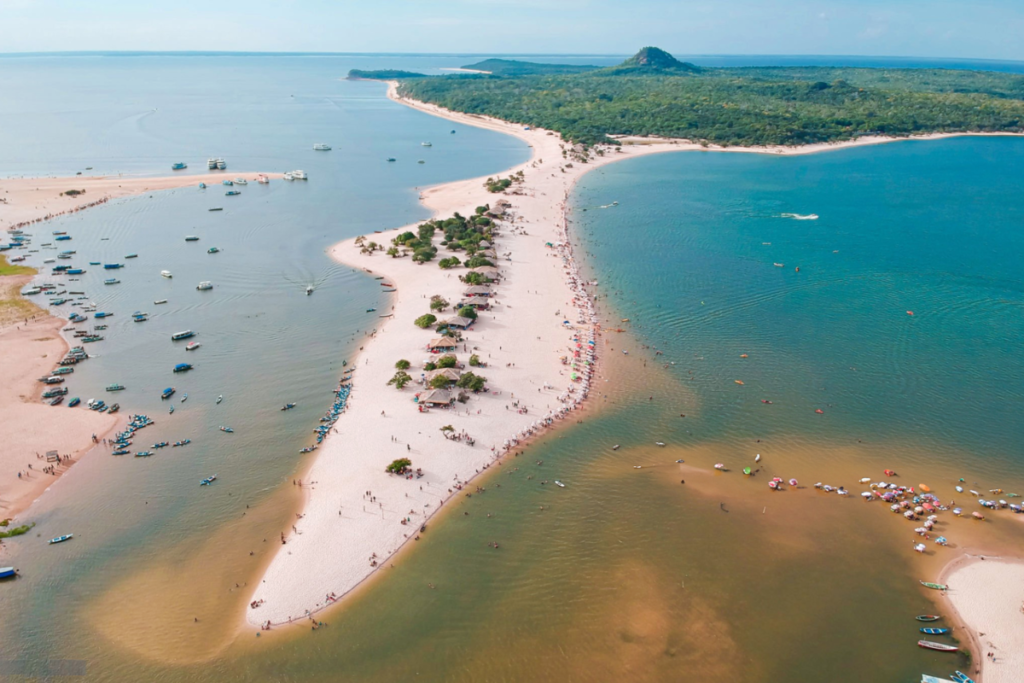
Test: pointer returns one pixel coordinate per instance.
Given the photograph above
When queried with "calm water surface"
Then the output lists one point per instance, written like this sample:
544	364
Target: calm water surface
624	575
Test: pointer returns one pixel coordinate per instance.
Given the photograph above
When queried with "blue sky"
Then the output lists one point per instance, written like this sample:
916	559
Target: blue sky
989	29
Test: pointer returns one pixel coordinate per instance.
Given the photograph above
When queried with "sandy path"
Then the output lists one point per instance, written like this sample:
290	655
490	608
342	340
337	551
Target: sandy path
988	597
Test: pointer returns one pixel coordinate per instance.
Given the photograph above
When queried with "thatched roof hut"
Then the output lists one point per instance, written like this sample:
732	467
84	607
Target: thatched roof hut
442	344
479	290
458	322
437	397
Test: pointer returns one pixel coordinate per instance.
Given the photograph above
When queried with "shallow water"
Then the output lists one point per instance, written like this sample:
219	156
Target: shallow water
625	574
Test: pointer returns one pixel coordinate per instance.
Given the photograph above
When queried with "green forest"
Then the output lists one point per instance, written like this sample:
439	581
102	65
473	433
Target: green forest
653	94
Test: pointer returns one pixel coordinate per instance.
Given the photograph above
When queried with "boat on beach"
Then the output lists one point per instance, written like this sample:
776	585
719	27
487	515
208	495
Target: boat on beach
8	572
938	647
928	617
934	586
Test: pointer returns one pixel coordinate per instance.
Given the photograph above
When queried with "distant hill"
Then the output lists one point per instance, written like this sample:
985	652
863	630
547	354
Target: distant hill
655	61
512	67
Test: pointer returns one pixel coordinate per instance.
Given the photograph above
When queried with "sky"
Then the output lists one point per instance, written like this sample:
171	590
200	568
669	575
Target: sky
980	29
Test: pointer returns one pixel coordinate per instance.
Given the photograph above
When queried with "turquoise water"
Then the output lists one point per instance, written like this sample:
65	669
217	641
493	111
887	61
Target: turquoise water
934	228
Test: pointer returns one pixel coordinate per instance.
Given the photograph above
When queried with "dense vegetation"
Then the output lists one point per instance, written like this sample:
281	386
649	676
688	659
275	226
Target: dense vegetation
511	67
652	94
384	74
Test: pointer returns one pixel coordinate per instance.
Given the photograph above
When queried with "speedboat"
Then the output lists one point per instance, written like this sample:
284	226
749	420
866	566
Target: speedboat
309	289
204	285
288	406
212	250
61	539
208	480
321	147
558	483
166	274
192	346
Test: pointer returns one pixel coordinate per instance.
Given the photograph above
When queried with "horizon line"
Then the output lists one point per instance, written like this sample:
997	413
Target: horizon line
289	53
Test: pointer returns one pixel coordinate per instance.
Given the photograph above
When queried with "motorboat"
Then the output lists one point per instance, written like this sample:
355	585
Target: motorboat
182	367
232	193
300	175
61	539
426	144
227	430
180	166
192	346
115	387
321	147
309	289
208	480
159	301
182	335
212	250
287	406
192	238
167	393
262	179
204	286
241	181
166	273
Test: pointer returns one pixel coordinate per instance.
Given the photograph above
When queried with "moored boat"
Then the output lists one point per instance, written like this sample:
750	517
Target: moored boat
212	250
8	572
182	367
228	430
115	387
204	286
208	480
928	617
192	346
61	539
935	631
191	238
321	147
167	393
934	586
232	193
179	166
938	647
166	274
182	335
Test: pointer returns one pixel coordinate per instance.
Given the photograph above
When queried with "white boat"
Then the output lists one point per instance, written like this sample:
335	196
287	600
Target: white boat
241	181
221	165
300	175
204	285
558	483
262	179
160	301
289	176
49	260
30	291
309	289
321	147
211	164
166	274
426	144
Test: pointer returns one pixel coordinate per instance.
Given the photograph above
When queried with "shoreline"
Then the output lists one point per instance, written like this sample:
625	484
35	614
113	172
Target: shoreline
284	595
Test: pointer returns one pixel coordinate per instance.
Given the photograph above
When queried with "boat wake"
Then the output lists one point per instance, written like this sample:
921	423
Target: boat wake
801	217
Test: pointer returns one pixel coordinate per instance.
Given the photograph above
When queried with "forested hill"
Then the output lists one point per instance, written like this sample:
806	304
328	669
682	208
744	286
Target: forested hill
654	94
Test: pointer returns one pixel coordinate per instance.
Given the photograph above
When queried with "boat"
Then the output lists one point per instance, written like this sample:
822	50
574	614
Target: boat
288	406
182	367
307	449
228	430
121	451
191	238
184	398
560	484
309	289
720	466
216	208
426	144
167	393
112	281
962	677
241	181
179	166
57	401
132	256
202	186
183	442
171	411
208	480
746	470
928	617
936	631
262	179
938	647
192	346
204	286
221	164
102	314
288	176
211	164
112	266
114	408
300	175
62	238
159	301
220	398
212	250
321	147
391	159
140	317
162	444
934	586
370	310
182	335
75	271
232	193
115	387
166	274
7	572
74	402
61	539
143	454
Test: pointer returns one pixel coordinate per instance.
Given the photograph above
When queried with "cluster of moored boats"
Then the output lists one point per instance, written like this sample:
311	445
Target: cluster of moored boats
341	395
122	440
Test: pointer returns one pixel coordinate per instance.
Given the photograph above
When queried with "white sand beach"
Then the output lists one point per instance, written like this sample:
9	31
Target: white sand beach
988	597
352	523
